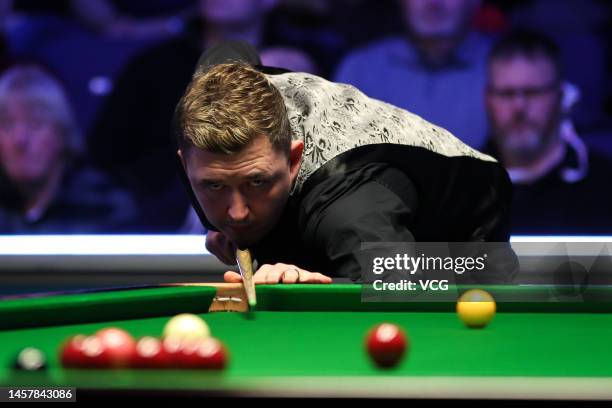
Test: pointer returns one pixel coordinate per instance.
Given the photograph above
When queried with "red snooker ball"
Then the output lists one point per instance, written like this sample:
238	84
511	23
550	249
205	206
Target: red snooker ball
386	344
71	354
207	353
84	352
118	346
94	354
172	349
150	353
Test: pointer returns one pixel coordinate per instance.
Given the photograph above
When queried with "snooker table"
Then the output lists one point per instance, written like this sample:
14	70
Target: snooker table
308	341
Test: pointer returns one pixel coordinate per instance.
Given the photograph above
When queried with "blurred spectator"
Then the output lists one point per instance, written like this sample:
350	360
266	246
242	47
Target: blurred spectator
86	55
320	27
490	19
152	19
559	187
116	18
132	136
288	58
578	29
436	70
43	187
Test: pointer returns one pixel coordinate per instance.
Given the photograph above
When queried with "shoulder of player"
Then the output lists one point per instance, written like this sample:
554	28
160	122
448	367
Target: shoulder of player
380	48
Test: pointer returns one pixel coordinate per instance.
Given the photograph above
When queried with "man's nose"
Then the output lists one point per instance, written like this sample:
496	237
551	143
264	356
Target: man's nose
238	208
519	102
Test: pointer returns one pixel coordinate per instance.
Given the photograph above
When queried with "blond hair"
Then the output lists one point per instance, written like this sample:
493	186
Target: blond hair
225	108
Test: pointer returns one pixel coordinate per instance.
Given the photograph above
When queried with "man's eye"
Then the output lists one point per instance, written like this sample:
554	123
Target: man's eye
214	186
505	93
257	182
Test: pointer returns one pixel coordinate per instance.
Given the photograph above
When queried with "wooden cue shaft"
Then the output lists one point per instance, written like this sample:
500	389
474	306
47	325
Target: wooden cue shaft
245	264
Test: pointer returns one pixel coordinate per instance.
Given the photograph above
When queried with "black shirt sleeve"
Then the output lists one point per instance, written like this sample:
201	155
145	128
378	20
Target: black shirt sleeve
375	204
347	215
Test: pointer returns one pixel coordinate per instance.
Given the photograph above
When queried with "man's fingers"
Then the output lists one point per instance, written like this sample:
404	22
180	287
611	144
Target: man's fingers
232	277
220	246
291	275
322	278
261	274
314	277
271	274
275	275
280	273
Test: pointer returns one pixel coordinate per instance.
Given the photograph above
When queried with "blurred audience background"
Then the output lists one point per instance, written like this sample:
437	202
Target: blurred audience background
524	80
434	67
45	186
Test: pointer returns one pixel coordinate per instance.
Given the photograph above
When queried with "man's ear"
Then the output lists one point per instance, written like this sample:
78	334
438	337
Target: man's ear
295	157
569	96
179	152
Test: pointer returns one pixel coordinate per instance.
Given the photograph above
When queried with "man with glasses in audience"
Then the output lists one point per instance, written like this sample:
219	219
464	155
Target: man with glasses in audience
558	184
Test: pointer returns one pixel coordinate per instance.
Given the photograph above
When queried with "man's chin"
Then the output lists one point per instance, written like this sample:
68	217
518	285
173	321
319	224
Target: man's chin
436	29
523	142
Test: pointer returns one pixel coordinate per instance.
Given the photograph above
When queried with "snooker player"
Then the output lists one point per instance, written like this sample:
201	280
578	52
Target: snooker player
302	171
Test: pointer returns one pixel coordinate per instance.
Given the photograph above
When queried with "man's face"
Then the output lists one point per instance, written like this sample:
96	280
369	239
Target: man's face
524	104
438	18
243	194
30	142
233	12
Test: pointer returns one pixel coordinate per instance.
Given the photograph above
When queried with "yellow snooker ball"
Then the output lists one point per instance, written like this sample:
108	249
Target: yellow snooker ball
186	326
476	308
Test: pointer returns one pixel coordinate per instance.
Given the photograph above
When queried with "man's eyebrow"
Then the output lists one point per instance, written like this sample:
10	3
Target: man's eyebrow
257	174
209	180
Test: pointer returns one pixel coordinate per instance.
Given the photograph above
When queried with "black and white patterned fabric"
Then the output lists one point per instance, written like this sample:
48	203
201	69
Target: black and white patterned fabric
334	118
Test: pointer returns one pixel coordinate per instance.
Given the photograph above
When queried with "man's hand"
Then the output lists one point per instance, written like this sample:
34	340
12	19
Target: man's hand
221	247
280	273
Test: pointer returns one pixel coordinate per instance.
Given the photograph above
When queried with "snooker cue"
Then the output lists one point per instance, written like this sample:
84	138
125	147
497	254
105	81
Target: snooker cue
245	264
